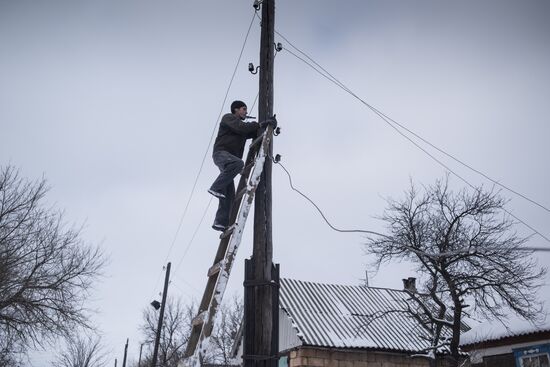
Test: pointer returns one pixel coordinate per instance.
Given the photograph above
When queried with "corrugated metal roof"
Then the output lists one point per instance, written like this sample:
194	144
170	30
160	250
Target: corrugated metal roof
344	316
496	330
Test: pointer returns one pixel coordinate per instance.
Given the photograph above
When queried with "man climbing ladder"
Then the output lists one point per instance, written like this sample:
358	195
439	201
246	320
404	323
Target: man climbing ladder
218	273
227	155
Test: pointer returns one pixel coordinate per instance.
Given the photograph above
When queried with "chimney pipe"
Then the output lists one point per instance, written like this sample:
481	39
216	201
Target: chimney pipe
409	284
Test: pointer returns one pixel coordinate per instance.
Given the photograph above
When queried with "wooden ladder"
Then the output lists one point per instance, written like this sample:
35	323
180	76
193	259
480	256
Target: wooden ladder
230	239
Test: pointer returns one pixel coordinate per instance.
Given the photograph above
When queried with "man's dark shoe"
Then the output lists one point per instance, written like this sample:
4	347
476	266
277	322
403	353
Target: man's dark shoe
216	194
219	227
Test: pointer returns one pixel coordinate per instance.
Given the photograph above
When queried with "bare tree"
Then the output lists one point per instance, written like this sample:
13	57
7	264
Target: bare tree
175	333
428	320
226	329
11	351
177	329
46	269
467	254
83	350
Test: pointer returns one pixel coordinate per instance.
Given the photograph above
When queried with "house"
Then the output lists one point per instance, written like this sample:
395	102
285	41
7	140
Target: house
328	325
516	344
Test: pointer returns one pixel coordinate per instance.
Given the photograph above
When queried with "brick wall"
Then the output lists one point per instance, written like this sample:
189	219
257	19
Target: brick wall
315	357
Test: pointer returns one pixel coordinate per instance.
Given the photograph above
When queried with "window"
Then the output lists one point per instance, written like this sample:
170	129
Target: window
283	361
539	360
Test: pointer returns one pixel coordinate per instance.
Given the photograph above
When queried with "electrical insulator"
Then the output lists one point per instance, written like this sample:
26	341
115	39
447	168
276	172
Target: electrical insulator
251	68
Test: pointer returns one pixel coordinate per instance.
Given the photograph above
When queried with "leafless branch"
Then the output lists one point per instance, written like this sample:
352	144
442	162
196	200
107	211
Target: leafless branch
46	269
467	251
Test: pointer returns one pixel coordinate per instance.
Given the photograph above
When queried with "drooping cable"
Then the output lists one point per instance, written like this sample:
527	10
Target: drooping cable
446	254
321	212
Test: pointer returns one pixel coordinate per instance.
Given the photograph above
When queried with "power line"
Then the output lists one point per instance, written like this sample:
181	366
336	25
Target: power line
197	229
451	253
206	209
210	201
202	217
184	292
465	164
194	234
156	283
190	285
344	87
466	251
389	121
460	177
209	144
211	137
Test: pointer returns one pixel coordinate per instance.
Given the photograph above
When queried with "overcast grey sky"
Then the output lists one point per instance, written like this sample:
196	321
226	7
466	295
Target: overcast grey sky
115	103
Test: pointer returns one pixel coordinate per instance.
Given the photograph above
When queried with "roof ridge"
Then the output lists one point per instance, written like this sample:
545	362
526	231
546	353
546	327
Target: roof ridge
344	285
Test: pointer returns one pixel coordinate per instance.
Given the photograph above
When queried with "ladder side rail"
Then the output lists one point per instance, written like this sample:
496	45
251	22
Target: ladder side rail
234	242
197	329
237	203
222	248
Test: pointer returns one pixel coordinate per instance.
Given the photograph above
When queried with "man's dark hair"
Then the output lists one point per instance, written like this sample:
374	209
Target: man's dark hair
237	104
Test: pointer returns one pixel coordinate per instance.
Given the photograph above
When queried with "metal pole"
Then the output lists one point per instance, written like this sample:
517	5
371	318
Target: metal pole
161	316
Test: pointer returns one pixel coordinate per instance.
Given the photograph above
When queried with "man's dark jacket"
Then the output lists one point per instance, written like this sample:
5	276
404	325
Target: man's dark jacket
233	133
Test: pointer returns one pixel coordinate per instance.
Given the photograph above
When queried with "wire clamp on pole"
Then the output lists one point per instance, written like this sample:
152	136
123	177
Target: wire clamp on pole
259	357
253	283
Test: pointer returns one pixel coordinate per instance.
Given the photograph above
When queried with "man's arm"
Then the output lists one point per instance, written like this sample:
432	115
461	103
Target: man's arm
240	127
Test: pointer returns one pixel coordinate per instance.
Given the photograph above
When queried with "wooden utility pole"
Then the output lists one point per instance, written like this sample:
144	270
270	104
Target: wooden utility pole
161	315
261	279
